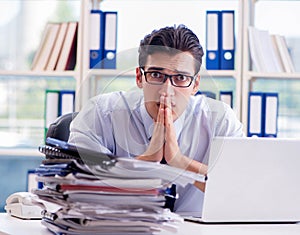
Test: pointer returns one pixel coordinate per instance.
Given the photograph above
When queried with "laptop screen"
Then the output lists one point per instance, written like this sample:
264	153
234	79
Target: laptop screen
253	180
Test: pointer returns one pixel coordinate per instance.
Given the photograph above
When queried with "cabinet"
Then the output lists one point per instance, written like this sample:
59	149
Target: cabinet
286	84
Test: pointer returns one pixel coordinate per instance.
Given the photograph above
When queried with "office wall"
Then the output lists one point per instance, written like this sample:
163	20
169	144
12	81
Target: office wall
13	174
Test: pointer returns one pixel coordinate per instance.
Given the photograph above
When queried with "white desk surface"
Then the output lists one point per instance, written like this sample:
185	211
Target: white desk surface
14	226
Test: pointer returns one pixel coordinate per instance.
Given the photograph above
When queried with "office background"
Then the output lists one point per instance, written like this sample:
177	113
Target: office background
22	23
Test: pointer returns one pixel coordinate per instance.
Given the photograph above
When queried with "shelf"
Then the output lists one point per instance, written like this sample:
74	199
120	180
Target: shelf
37	74
203	73
258	75
218	73
110	72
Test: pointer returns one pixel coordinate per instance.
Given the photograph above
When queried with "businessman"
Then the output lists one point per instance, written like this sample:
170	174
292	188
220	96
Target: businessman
161	120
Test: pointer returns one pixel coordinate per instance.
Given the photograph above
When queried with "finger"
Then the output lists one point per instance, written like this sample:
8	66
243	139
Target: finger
168	102
161	117
168	115
162	101
161	111
169	125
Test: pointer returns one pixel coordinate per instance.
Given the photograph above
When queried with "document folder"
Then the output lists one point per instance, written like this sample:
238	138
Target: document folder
51	111
96	38
255	114
110	40
66	102
271	114
57	103
227	41
226	97
213	30
209	94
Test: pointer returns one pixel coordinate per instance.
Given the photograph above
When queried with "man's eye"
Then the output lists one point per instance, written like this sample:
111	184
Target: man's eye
181	78
156	75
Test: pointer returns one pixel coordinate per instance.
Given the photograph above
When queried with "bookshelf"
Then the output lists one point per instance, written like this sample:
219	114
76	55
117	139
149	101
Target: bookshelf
87	79
243	75
23	89
251	77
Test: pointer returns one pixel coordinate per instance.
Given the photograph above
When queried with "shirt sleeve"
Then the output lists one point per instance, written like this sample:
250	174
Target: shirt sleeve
228	125
224	121
88	128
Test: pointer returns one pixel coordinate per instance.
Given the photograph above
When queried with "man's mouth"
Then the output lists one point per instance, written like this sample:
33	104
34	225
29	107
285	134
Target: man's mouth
172	104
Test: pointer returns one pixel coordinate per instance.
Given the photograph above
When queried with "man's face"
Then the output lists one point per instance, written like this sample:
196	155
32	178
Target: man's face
181	63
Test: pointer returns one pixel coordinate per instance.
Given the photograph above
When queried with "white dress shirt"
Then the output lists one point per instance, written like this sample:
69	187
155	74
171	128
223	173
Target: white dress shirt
118	123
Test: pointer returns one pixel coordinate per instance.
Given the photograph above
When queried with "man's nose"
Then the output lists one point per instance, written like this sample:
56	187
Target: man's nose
167	87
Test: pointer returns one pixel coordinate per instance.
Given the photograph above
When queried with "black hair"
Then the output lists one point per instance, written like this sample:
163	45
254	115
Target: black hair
171	40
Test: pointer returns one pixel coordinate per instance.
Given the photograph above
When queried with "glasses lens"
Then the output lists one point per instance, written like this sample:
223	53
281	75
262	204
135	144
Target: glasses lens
155	77
181	80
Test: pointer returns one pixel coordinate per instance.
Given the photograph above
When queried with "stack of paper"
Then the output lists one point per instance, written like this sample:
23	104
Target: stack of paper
126	196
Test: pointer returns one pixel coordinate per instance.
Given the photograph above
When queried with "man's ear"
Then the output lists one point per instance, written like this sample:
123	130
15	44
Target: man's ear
196	85
138	78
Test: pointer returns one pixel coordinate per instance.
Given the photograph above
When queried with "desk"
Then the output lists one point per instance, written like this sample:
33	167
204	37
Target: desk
14	226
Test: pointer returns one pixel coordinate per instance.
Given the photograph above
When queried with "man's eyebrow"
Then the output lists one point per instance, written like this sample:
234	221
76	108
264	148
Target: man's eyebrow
156	68
182	72
176	71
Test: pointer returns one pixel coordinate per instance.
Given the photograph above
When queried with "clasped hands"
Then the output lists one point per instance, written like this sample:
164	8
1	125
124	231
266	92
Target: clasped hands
164	143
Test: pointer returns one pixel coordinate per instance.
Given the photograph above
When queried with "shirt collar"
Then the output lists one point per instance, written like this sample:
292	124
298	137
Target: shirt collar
149	123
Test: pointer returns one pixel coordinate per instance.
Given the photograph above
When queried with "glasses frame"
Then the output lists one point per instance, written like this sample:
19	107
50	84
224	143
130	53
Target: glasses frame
167	76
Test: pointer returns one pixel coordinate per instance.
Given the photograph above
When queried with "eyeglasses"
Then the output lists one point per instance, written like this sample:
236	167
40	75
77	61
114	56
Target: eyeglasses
158	78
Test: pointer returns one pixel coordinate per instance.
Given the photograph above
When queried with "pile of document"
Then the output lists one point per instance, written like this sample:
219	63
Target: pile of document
117	196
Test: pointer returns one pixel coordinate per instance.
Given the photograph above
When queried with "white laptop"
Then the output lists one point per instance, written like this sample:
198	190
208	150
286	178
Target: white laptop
253	180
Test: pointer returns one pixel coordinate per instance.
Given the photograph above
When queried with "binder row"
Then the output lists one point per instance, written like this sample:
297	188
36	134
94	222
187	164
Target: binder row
103	39
220	41
262	114
224	96
57	103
